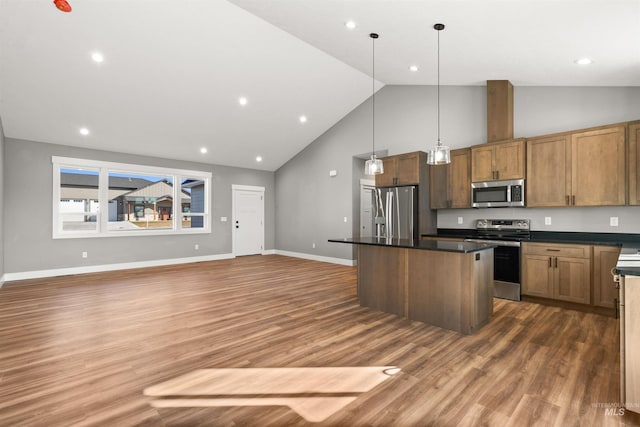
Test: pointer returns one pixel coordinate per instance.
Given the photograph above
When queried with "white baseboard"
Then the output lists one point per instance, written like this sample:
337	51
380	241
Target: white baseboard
2	280
7	277
341	261
269	252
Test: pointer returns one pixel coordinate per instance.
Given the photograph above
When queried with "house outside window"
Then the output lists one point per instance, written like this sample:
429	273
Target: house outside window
103	199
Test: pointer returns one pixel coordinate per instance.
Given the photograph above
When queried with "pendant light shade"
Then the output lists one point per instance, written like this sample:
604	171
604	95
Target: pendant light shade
440	154
373	166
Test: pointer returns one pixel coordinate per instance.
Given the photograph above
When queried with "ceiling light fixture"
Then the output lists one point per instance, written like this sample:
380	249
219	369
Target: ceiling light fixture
203	150
373	166
97	57
440	154
259	159
242	100
303	119
84	131
414	68
350	24
583	61
62	5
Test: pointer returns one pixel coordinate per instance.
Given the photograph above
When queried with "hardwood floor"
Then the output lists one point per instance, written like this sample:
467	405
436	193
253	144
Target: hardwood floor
80	350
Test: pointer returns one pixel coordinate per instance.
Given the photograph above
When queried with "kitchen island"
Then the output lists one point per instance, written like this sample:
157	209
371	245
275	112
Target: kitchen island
442	283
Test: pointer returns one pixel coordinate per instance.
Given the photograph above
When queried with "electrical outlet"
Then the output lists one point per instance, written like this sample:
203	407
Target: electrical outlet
196	246
460	220
345	219
613	221
547	220
313	245
223	219
85	254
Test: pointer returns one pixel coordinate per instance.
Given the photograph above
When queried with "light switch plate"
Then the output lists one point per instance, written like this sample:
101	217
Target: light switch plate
613	221
223	219
460	220
547	220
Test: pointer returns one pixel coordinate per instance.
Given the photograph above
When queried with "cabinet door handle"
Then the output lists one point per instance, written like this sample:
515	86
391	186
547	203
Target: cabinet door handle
573	200
553	250
497	174
568	200
549	262
556	262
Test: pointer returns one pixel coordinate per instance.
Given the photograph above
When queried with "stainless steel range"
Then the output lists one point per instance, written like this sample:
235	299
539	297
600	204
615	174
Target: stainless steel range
507	235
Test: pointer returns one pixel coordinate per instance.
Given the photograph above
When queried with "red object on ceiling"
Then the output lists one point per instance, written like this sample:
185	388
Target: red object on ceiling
62	5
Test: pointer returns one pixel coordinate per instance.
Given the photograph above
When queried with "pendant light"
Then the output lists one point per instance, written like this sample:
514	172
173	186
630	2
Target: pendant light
440	154
373	166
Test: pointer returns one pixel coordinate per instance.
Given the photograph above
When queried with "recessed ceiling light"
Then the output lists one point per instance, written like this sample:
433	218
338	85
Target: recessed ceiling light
414	68
259	159
203	150
84	131
303	119
242	100
350	24
97	57
583	61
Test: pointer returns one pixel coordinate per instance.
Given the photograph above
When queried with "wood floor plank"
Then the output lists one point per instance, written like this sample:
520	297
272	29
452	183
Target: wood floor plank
80	350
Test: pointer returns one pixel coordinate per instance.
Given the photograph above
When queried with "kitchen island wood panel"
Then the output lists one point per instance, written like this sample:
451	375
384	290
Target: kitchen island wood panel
451	288
385	290
458	294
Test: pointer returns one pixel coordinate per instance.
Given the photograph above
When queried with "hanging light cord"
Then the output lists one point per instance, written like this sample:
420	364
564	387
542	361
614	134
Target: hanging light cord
438	88
373	96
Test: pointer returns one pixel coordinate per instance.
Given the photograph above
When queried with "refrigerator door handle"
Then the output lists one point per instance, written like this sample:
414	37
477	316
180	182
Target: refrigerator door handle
411	210
398	218
389	214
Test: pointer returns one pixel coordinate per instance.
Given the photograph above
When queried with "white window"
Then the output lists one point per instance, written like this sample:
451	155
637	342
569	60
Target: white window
101	199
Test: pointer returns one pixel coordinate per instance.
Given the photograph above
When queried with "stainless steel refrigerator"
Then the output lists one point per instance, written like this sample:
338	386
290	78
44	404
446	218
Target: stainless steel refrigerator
395	212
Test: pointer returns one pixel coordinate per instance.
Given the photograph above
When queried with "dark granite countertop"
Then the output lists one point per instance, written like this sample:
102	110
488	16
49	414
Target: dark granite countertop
578	238
429	245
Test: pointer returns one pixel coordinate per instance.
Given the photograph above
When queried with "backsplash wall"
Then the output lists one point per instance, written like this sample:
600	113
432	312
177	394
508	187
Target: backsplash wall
595	220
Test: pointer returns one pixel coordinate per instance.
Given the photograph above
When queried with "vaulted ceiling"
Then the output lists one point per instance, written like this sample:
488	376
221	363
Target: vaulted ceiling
174	71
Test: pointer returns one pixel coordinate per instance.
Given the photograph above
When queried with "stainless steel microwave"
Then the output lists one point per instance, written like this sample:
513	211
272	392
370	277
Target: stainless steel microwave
497	194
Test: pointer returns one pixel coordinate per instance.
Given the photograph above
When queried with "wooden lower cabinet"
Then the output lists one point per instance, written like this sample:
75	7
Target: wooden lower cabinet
605	290
537	276
560	272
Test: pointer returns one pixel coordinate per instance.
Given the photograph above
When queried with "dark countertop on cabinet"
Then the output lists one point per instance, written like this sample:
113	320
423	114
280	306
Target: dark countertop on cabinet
577	238
429	245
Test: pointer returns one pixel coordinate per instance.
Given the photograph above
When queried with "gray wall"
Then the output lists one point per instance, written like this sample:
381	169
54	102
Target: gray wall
28	245
311	205
1	200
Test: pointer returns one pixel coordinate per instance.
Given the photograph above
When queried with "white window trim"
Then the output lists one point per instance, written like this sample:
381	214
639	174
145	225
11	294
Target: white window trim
103	198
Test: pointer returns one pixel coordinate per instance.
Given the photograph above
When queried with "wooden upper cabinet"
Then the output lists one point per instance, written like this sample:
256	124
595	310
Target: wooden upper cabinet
460	178
403	169
634	163
498	161
584	168
548	171
439	186
598	167
482	163
387	178
408	169
450	185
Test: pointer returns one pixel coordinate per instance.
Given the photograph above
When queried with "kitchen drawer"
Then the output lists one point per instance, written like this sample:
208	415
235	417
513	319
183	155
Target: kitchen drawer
555	250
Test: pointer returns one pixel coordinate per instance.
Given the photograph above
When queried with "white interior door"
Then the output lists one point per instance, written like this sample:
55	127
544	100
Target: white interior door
248	220
367	189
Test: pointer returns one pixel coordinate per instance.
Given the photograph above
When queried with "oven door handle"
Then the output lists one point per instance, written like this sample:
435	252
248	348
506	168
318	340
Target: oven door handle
510	243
